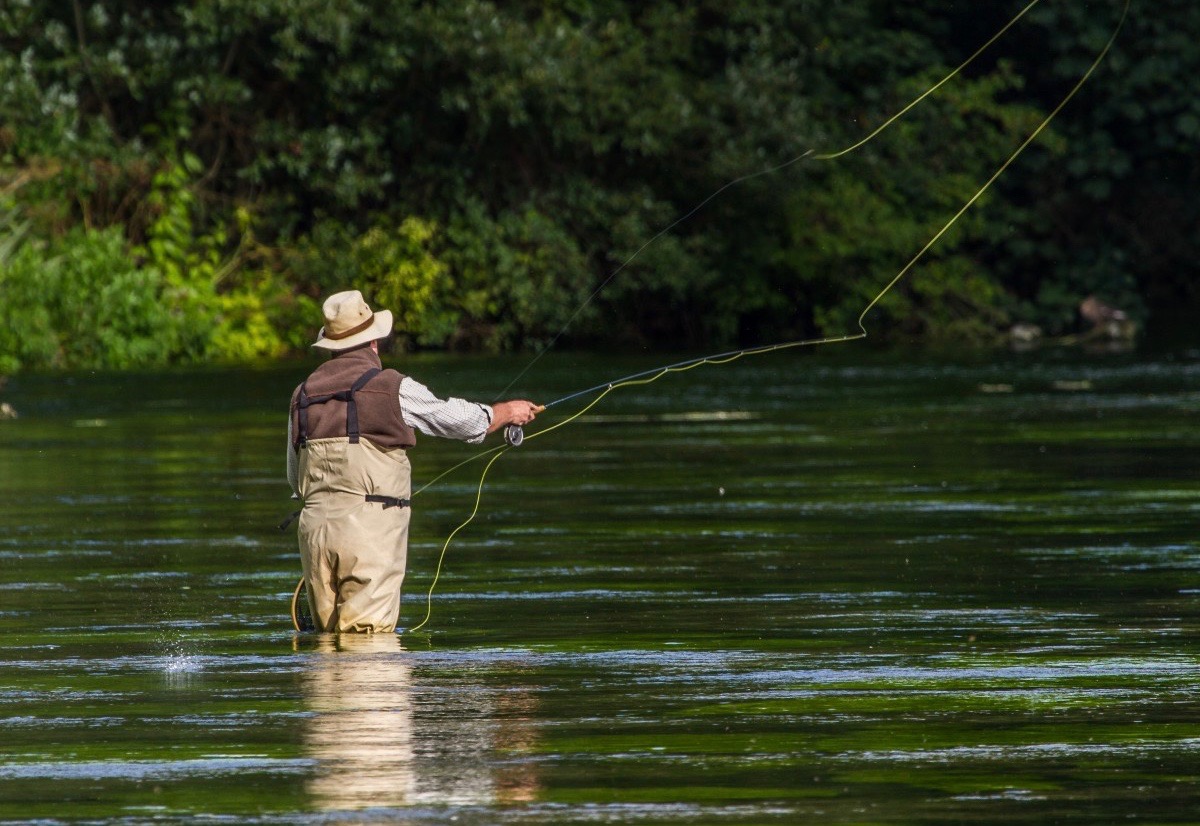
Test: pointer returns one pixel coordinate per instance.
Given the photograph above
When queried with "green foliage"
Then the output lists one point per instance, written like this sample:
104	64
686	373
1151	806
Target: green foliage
87	298
868	217
519	275
26	331
200	285
398	268
393	263
488	170
83	302
1118	218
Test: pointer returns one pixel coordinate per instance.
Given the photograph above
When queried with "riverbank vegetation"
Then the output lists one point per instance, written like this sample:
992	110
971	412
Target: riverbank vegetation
182	182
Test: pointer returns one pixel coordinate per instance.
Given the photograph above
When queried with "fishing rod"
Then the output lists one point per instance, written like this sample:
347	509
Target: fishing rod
514	434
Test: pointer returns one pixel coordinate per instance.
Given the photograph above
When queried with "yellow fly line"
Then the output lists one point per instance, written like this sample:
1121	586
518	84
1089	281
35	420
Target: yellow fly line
655	374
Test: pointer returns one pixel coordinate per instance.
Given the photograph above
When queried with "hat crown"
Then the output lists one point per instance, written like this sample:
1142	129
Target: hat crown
346	313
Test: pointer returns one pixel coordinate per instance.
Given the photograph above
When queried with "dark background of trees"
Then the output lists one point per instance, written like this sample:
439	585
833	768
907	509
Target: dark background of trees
185	180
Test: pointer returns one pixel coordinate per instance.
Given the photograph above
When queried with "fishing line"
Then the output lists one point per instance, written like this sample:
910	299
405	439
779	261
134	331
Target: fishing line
655	373
652	375
809	154
722	358
499	451
442	557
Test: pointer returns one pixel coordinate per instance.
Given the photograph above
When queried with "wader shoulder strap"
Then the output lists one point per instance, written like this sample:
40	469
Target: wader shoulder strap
352	408
346	396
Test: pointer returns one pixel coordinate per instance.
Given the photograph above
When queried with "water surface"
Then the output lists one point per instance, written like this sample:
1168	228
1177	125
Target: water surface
834	586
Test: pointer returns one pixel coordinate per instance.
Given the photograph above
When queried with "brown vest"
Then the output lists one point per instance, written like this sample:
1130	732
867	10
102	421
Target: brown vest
377	402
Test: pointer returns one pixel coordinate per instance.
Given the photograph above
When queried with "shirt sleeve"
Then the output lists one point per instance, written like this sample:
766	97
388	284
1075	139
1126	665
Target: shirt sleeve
450	418
293	461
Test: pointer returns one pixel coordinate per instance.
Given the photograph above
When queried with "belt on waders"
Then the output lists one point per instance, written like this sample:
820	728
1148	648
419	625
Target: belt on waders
386	501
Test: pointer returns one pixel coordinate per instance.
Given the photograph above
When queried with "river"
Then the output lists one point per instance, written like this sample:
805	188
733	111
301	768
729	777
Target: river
825	586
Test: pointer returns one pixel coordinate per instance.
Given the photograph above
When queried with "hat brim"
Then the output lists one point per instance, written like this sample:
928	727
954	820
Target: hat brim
381	327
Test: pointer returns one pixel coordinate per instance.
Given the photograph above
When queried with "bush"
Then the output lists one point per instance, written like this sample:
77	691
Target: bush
87	299
393	263
81	301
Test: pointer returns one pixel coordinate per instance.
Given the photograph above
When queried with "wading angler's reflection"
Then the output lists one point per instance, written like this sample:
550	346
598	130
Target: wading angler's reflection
383	736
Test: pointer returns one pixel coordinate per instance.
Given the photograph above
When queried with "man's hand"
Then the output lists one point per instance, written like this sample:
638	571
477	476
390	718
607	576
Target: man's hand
517	411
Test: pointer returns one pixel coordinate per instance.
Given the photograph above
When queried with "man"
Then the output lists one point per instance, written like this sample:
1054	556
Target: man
349	426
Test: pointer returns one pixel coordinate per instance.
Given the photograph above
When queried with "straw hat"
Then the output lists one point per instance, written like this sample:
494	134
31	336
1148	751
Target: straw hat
349	322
